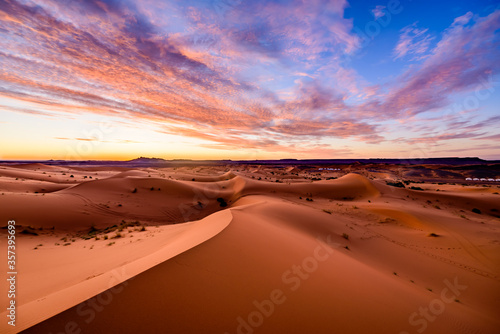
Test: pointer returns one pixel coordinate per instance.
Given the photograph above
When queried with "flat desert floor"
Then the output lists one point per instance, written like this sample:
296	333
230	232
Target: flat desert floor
249	249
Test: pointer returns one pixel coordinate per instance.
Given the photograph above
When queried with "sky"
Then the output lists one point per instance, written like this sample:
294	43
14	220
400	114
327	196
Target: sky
245	80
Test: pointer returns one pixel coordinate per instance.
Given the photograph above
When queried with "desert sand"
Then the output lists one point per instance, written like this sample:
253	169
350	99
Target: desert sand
250	249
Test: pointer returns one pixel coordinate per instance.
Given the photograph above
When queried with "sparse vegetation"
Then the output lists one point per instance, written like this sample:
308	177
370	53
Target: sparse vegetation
345	236
476	210
416	188
397	184
222	202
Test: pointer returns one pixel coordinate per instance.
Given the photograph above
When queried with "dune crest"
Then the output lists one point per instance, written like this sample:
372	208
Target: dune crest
174	241
304	250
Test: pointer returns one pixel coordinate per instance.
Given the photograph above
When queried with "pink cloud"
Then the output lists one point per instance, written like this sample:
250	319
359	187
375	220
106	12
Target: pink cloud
412	41
211	80
460	62
378	11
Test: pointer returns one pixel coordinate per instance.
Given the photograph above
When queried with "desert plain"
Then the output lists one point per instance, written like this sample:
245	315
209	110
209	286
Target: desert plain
253	248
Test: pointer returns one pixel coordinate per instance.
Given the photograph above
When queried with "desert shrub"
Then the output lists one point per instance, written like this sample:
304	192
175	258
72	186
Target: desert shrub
222	202
345	236
395	184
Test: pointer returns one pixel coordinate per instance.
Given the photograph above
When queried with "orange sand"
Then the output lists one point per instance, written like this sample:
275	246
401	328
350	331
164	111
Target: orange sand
346	255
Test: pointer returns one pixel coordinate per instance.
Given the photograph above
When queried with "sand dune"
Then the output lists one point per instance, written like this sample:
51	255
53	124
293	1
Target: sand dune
154	251
330	293
95	270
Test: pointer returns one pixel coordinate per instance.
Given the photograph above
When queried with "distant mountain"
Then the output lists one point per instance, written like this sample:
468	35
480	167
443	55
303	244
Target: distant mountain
146	160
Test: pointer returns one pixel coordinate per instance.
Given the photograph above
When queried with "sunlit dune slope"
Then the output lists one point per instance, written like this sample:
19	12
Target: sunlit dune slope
316	285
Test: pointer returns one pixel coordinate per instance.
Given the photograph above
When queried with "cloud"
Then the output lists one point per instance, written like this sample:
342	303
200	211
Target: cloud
252	74
441	137
492	137
378	12
117	59
119	141
412	41
461	62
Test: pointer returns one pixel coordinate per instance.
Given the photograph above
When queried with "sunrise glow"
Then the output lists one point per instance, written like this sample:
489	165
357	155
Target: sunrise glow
249	79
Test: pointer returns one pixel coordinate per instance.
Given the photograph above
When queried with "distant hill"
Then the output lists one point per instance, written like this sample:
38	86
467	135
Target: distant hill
146	160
